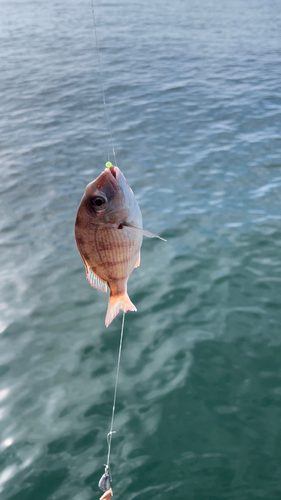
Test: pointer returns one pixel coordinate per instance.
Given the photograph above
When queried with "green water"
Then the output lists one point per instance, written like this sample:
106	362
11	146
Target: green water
193	92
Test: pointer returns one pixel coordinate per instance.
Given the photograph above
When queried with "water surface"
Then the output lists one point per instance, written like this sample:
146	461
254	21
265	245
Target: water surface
193	93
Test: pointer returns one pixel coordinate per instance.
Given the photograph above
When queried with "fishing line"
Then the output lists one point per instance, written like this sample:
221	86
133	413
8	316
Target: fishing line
109	136
103	483
106	479
109	435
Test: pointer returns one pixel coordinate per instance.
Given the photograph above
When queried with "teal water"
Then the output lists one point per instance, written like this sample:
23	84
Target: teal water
193	92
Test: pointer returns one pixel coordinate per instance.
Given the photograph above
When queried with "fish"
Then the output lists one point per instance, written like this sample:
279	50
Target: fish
107	495
109	235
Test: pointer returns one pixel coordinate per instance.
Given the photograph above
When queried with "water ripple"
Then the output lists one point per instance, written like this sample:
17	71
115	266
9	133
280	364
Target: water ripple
193	93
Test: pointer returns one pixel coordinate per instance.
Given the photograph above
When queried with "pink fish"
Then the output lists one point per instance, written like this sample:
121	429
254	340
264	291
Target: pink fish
109	233
107	495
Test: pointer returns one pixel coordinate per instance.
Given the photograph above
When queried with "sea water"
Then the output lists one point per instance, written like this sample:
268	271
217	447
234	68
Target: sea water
194	105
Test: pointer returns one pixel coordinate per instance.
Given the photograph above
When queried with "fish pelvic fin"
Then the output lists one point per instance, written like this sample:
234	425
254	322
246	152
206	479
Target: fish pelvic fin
118	303
138	261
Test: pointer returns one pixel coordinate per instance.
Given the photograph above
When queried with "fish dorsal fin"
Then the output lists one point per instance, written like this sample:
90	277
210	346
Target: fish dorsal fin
96	282
143	231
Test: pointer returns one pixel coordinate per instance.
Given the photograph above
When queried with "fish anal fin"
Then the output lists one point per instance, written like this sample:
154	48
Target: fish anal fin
95	281
138	261
116	304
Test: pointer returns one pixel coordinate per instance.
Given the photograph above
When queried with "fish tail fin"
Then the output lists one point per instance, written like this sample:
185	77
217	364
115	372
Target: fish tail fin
117	303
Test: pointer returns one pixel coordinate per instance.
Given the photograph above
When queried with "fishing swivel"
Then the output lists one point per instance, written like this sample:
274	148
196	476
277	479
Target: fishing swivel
106	479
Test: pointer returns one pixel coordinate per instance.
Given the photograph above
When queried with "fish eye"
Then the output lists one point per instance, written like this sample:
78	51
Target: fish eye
98	202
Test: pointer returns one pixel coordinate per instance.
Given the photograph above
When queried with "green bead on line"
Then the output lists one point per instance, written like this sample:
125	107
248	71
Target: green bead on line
108	164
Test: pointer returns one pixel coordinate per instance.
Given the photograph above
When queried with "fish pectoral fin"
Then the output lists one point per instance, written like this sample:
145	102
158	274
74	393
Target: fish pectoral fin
144	232
138	261
95	281
151	235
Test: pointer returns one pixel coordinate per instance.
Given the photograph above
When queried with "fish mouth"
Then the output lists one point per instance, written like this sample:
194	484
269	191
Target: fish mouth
113	173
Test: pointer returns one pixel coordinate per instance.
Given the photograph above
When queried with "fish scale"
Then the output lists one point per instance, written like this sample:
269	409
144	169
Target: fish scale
121	253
